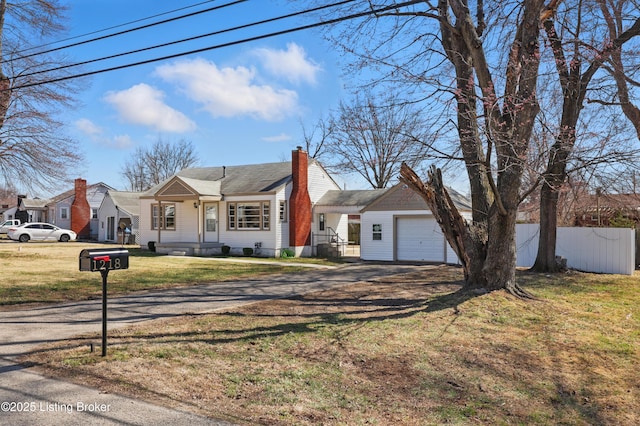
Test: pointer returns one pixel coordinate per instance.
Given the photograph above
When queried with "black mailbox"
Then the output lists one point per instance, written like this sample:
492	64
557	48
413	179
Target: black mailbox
103	259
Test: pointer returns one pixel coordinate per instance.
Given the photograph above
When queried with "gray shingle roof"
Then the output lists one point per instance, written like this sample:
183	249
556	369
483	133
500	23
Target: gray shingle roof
29	203
252	178
351	197
243	179
127	201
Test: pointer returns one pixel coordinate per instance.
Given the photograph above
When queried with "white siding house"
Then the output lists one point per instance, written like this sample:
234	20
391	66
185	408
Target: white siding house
200	210
119	212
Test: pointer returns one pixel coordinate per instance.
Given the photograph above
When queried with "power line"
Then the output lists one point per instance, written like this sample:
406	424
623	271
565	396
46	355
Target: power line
157	46
115	26
218	46
153	24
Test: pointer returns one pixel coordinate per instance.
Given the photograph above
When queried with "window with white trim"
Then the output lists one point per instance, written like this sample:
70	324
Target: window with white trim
284	214
249	215
64	213
377	232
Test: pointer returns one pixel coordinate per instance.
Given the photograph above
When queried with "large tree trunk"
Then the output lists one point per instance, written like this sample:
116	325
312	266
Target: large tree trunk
554	178
546	256
486	266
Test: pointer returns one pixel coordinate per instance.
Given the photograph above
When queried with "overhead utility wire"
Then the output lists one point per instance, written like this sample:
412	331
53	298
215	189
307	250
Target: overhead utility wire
115	26
153	24
239	27
232	43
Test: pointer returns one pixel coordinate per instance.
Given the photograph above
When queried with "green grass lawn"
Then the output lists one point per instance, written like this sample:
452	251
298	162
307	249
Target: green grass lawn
408	350
49	272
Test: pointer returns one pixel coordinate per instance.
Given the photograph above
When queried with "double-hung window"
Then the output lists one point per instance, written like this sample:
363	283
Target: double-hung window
284	214
377	232
163	216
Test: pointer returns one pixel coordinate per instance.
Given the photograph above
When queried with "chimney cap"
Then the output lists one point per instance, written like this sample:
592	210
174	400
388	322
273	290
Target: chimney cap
299	148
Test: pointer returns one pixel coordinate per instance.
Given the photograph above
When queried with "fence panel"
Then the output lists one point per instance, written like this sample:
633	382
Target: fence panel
601	250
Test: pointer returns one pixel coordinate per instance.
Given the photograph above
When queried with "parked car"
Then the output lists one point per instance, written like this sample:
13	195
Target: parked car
40	231
8	224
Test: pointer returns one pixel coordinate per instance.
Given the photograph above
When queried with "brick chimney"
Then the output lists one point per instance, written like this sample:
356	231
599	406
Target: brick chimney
299	203
81	211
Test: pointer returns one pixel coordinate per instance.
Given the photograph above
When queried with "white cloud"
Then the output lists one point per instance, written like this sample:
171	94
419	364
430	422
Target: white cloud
121	141
229	92
97	136
143	104
88	127
291	64
282	137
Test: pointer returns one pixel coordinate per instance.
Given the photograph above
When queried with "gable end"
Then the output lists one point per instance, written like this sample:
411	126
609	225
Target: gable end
176	189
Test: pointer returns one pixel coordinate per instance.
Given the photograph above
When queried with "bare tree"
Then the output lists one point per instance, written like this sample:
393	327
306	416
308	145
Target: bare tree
150	166
373	136
315	138
439	51
615	15
34	151
579	53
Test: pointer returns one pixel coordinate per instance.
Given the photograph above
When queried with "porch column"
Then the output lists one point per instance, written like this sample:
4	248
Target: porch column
159	220
199	221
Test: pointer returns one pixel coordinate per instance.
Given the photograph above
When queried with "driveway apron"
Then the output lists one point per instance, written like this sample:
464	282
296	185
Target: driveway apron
28	398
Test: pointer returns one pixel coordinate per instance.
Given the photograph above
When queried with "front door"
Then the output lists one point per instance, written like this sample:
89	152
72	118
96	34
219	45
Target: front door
211	222
111	229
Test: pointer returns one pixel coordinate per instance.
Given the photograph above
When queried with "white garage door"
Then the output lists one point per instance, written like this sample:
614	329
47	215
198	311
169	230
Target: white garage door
419	238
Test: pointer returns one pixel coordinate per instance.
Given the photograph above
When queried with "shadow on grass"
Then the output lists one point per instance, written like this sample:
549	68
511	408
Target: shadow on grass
339	315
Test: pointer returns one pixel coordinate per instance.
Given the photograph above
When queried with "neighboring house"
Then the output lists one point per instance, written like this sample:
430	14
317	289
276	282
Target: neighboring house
7	211
265	207
577	207
398	226
602	209
31	210
63	208
119	211
76	209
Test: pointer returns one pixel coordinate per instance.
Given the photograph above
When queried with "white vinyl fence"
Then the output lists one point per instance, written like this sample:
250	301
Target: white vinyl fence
601	250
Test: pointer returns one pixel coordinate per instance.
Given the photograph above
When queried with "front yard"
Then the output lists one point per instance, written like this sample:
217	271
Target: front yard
407	350
39	272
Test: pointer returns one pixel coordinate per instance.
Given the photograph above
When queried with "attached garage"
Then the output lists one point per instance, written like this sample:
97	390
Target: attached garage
398	226
419	238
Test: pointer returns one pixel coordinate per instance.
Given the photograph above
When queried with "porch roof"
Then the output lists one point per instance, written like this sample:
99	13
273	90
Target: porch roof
31	204
129	202
350	198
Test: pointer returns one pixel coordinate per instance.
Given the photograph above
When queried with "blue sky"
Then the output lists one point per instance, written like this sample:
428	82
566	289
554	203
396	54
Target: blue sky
238	105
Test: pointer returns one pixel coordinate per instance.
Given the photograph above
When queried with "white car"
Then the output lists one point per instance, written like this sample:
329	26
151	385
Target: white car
40	231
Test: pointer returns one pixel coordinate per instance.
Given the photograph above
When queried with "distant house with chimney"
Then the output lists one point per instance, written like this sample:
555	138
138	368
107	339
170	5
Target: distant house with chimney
76	209
263	207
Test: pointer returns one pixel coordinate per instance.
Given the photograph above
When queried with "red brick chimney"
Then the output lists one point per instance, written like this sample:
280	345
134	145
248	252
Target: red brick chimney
299	203
81	211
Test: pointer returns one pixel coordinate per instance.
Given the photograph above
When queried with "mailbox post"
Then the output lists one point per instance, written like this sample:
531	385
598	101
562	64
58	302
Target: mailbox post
104	260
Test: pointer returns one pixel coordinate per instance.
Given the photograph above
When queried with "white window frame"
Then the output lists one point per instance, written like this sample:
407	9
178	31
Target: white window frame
283	212
259	218
376	232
